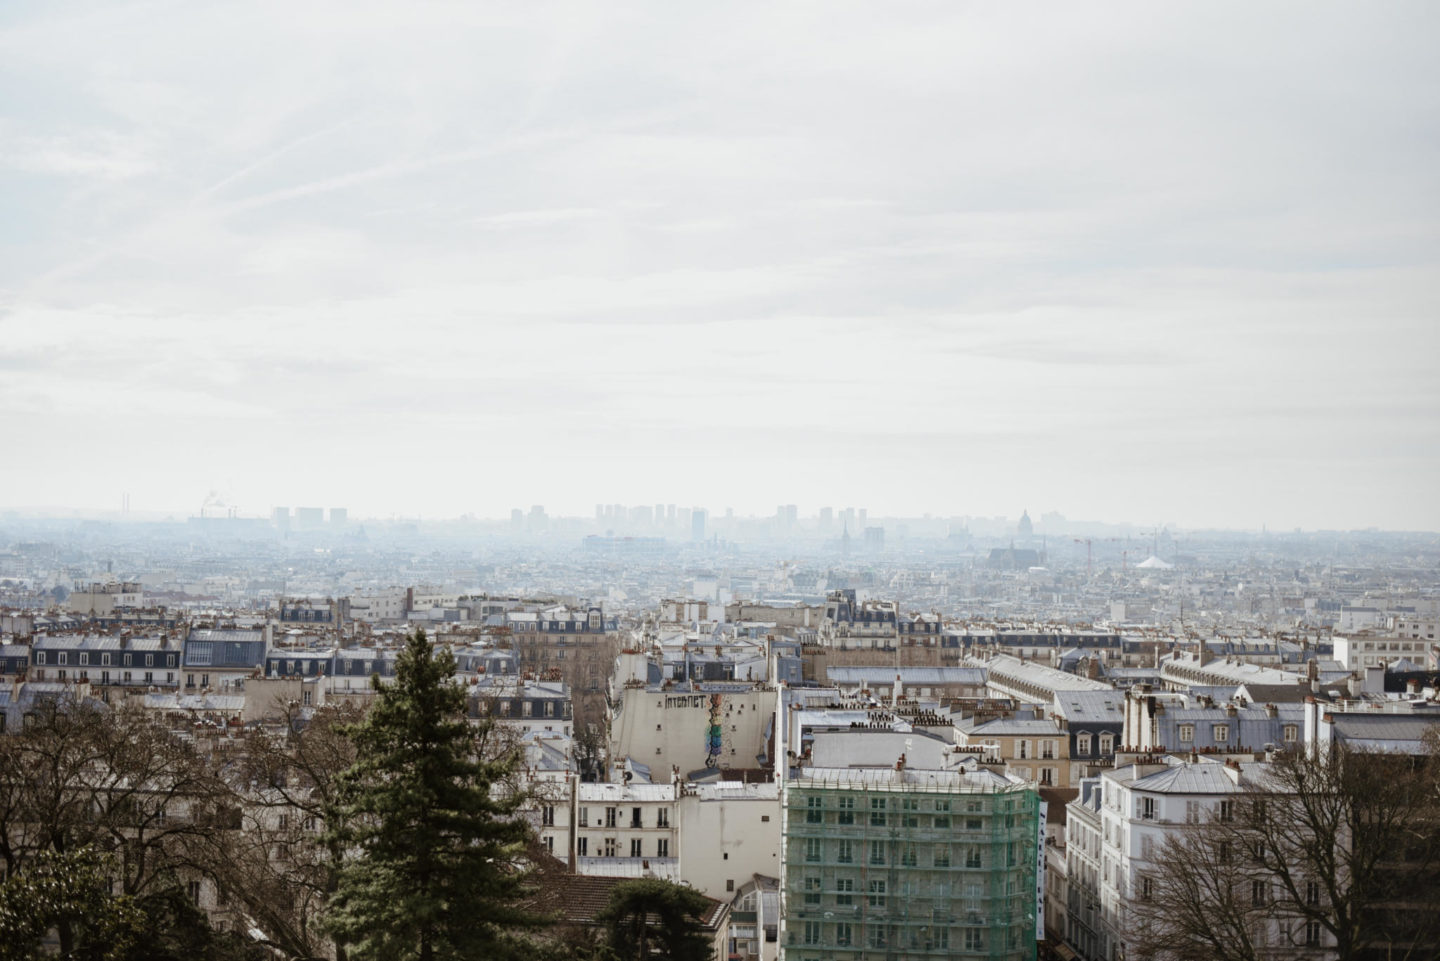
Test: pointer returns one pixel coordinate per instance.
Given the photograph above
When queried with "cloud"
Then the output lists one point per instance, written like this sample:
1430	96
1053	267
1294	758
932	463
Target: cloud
1130	244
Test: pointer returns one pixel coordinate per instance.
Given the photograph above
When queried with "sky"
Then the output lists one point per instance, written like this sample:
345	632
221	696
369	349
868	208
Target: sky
1131	262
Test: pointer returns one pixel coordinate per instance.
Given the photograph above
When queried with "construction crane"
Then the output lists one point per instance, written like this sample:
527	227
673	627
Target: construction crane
1090	552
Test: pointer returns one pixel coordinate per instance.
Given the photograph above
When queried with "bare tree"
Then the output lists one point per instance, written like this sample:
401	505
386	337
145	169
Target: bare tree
277	866
1333	855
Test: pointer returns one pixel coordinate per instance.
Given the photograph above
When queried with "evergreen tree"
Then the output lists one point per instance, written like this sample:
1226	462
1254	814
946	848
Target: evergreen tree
654	918
431	826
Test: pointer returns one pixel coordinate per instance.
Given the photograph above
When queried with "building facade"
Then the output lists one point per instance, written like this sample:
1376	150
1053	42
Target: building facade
909	863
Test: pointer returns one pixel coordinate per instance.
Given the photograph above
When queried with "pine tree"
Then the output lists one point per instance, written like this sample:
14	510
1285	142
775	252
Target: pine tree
433	834
654	918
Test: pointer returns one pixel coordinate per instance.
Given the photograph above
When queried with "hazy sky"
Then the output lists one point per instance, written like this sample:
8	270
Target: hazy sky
1126	261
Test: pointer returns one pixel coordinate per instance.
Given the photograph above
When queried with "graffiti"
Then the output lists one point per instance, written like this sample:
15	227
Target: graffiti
714	733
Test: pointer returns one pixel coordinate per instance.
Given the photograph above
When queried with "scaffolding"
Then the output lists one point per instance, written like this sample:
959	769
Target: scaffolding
895	868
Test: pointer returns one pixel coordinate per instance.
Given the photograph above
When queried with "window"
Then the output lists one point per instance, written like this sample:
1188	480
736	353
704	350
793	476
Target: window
1223	852
662	848
192	888
876	935
62	658
908	816
1227	811
1187	733
1147	808
1258	891
635	848
1147	888
814	810
942	814
149	660
974	824
610	846
1022	749
547	815
39	657
84	658
942	855
812	849
1107	744
1312	933
610	817
1192	812
877	812
635	818
584	817
842	935
1047	750
1082	745
844	891
1290	733
1312	893
812	932
662	818
877	852
974	939
549	844
847	811
843	852
1221	733
582	846
972	857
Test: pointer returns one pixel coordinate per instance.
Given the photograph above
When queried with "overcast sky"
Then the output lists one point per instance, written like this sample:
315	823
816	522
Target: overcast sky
1148	262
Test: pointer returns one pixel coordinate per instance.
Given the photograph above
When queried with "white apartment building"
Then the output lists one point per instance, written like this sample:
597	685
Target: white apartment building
1364	650
714	837
1140	807
380	604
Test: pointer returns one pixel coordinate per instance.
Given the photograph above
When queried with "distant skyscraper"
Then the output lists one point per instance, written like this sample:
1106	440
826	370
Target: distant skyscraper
827	518
281	518
697	524
517	519
786	514
861	518
1026	528
339	516
659	515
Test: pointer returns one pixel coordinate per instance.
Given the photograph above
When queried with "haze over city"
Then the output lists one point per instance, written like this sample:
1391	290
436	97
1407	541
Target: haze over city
937	480
1125	263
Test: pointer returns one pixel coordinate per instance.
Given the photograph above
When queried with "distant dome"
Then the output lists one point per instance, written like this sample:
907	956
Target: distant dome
1153	563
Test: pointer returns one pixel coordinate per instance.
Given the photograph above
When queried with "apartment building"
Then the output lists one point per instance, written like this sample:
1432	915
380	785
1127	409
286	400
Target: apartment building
905	862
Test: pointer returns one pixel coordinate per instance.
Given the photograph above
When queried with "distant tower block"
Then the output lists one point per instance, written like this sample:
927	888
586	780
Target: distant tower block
280	516
1026	528
339	516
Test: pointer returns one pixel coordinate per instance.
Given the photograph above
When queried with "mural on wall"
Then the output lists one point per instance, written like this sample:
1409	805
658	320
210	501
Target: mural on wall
714	734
